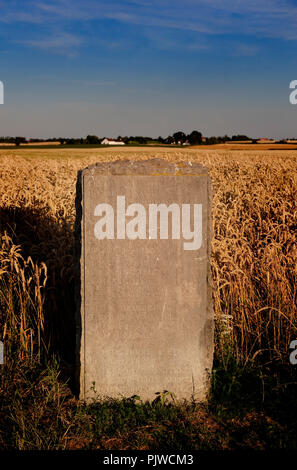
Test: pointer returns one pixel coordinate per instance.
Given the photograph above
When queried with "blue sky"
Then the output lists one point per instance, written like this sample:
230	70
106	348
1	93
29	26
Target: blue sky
142	67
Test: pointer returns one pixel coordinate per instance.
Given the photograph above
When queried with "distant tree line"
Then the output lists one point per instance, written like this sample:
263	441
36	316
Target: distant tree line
223	139
13	140
177	138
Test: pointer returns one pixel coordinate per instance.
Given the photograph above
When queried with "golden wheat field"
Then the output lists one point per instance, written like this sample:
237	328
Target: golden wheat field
254	246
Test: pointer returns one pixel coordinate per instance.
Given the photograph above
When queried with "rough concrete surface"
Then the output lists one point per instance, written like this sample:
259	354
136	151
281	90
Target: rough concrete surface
146	321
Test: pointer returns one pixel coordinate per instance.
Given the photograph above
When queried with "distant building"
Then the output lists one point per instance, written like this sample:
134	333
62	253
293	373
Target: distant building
107	141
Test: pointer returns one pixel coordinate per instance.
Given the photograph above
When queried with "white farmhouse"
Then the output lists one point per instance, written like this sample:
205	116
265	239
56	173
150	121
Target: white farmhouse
107	141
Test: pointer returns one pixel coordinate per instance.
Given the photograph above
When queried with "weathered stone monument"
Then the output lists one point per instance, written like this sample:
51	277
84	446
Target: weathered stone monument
146	321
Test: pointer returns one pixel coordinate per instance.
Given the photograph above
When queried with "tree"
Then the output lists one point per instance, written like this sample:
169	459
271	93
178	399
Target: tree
240	137
140	139
20	140
212	140
169	140
92	140
179	137
195	138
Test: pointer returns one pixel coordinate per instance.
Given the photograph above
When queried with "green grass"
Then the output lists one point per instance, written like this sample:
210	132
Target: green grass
249	407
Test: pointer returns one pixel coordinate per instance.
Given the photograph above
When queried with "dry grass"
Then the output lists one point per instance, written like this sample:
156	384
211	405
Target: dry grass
21	302
254	244
247	146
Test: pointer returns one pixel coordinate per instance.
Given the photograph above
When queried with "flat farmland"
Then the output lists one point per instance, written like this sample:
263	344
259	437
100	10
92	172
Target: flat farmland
254	254
254	257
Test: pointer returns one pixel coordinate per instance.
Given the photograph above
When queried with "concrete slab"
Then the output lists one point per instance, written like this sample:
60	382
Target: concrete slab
145	323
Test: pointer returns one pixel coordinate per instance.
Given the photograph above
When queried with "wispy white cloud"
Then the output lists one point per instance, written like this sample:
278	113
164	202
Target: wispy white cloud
266	18
204	18
64	9
62	43
208	16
